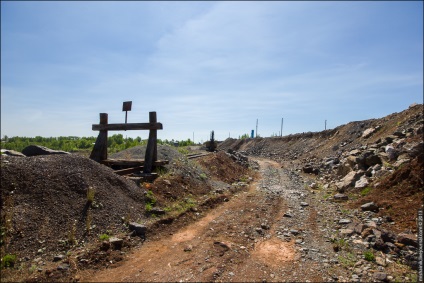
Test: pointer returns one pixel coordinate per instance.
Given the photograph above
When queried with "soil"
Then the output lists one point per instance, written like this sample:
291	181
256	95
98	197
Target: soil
209	218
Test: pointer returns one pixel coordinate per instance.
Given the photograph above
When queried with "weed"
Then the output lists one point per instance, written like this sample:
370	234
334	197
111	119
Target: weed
369	255
90	194
160	170
203	176
150	200
326	196
340	244
183	150
348	260
104	237
8	260
344	211
244	179
148	207
71	235
366	191
32	268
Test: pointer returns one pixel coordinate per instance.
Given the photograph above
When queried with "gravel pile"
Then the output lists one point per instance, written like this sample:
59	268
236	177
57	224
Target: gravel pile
46	198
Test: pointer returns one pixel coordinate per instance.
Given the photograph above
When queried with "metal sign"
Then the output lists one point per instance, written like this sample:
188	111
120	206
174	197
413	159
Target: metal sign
126	106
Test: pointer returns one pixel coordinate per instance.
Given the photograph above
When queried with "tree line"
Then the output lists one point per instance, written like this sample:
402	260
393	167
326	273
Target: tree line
115	143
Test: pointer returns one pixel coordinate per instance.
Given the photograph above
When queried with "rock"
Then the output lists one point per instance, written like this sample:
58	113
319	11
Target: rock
372	160
414	149
407	239
361	183
288	214
366	233
344	221
380	276
58	258
340	197
116	243
380	261
359	228
346	232
157	211
370	224
33	150
388	236
380	244
355	152
399	134
391	152
309	169
265	226
188	248
139	229
10	152
294	232
368	132
343	169
400	162
348	181
63	267
304	204
370	206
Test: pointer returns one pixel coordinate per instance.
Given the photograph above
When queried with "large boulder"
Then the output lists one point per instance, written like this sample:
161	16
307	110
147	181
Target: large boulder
348	180
33	150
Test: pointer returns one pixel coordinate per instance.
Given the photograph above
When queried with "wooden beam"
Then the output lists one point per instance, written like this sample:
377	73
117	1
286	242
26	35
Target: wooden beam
99	151
131	162
129	170
151	149
129	126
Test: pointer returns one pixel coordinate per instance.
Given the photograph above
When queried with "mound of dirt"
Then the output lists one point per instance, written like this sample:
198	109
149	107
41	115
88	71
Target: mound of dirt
46	205
221	167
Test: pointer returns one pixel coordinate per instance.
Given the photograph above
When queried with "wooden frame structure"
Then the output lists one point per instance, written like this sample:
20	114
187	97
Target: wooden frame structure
99	152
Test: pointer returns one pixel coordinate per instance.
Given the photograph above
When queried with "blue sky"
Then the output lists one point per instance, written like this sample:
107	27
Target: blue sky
206	66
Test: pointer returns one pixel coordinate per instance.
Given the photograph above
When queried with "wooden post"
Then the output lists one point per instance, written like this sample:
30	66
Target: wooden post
151	150
99	152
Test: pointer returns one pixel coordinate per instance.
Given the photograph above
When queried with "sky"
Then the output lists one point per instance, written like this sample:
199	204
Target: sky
203	66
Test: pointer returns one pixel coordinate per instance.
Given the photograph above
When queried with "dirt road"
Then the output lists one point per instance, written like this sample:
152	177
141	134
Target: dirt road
272	231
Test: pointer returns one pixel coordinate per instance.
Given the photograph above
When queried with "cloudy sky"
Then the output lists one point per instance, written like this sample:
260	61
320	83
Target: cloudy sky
206	66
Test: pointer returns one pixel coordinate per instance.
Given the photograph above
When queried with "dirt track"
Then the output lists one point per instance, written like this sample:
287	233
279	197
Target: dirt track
268	232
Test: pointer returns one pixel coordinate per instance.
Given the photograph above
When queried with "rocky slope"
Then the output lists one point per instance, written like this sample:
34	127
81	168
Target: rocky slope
372	168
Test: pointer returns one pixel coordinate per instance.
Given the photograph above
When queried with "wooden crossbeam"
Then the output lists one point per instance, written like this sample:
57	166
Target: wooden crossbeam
129	170
129	126
131	162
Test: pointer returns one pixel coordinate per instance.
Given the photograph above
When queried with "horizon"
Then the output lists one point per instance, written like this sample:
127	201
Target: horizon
206	66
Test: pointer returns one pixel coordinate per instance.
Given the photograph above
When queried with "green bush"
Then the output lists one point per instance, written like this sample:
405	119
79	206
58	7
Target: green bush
104	237
8	260
369	255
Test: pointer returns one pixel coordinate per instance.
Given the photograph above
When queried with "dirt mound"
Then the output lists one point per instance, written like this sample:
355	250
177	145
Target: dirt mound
49	203
221	167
